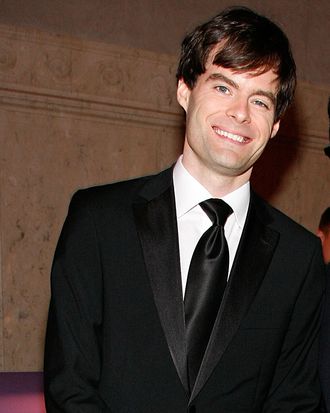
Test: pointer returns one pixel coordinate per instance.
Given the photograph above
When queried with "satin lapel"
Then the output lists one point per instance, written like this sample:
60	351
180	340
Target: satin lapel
157	228
252	259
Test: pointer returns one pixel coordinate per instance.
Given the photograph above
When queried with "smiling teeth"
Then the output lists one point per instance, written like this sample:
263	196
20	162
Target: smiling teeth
229	135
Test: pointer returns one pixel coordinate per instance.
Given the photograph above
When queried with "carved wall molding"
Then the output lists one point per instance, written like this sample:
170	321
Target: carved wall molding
81	107
44	72
33	62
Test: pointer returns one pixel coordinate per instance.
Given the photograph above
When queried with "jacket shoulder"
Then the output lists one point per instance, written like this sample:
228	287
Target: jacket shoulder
120	194
282	223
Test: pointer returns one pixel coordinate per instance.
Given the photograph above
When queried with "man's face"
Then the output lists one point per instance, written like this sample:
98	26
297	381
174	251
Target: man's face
229	120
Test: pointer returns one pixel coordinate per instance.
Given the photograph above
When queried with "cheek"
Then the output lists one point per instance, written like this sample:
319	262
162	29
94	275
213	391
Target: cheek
196	116
265	125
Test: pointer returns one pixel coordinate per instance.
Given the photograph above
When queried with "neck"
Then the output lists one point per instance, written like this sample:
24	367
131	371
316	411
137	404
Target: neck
217	184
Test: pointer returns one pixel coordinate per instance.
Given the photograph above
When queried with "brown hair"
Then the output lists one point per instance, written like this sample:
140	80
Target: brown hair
247	42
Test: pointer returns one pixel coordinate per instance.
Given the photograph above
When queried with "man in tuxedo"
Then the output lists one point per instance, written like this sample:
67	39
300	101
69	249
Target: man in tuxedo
185	291
324	234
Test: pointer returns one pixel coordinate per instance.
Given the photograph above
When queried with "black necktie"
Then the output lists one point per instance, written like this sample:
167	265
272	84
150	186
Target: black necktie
207	279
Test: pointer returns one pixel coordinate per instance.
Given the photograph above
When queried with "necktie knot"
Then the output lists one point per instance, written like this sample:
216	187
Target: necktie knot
217	210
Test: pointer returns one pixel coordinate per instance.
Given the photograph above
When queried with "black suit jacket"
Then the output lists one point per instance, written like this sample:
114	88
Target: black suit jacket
325	347
115	336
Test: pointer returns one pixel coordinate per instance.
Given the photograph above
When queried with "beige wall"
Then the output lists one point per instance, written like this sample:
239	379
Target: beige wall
75	113
72	114
159	25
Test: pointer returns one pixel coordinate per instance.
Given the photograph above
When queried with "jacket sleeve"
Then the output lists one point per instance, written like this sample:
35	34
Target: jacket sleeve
295	386
73	350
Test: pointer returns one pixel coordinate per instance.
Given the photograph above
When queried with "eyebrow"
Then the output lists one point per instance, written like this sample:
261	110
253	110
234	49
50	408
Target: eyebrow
230	82
220	76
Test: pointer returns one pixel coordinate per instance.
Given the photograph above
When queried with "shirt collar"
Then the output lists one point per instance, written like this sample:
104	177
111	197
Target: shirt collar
189	193
239	201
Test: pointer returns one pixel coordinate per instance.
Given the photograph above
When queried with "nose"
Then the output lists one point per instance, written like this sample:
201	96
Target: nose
238	110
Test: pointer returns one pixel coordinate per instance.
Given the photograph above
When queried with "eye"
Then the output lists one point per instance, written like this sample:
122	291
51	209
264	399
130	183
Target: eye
223	89
261	103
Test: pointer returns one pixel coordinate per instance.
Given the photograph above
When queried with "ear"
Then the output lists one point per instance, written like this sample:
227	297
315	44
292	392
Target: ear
320	234
183	94
275	129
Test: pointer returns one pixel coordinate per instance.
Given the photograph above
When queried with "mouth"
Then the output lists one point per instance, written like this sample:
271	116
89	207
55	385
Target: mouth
231	136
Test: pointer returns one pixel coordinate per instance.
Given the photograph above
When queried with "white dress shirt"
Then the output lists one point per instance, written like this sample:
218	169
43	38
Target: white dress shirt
193	221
